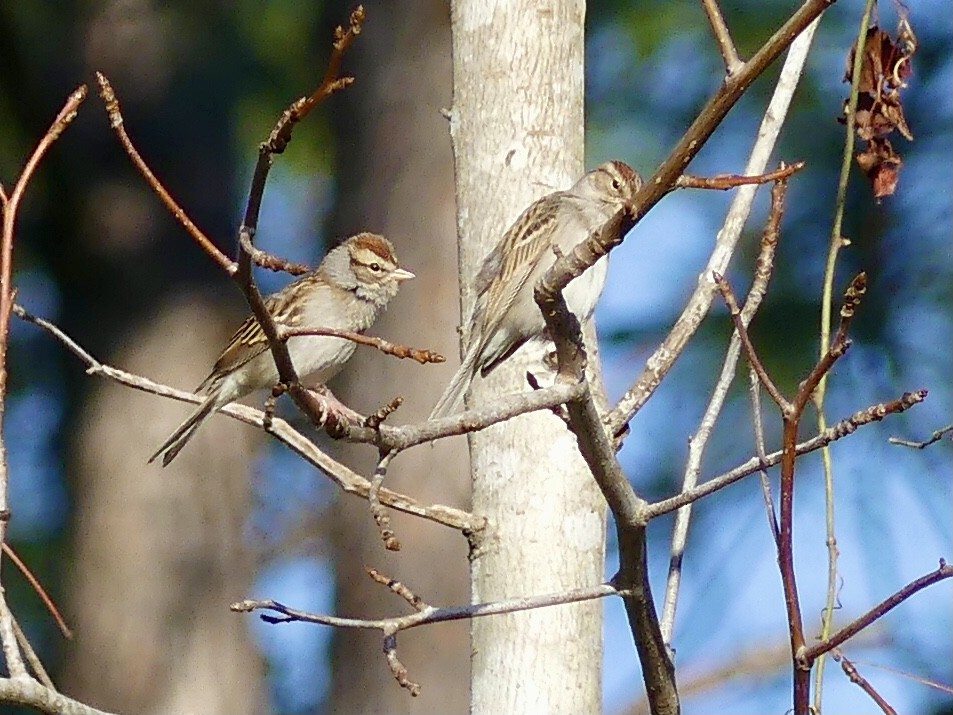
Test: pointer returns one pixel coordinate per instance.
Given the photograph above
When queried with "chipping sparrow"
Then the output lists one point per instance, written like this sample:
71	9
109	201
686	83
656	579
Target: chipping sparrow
505	315
350	288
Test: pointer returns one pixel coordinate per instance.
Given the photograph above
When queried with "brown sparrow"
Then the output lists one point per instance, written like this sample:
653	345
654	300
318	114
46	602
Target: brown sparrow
505	315
350	288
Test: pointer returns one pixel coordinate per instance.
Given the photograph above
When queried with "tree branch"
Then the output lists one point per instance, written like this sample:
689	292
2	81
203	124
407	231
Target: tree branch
10	205
664	357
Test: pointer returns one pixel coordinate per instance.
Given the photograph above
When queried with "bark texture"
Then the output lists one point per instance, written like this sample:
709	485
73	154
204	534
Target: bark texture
517	130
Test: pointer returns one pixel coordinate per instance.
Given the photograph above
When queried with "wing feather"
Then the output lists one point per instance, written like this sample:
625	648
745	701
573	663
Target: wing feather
508	267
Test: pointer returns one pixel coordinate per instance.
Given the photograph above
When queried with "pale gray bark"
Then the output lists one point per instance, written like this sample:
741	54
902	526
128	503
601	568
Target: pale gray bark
517	131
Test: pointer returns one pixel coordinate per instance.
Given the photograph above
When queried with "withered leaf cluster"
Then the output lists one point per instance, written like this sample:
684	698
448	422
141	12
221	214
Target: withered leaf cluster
886	65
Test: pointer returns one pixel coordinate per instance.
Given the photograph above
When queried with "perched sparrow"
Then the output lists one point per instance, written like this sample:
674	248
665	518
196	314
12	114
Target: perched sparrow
350	288
505	315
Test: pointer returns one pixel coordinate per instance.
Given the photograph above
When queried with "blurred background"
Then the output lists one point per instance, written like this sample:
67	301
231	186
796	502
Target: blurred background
145	562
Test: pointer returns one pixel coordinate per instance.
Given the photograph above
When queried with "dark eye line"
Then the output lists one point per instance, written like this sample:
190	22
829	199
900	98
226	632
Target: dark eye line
374	266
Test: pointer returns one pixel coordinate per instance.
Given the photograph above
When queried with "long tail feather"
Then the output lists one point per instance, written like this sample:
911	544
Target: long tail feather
183	433
451	400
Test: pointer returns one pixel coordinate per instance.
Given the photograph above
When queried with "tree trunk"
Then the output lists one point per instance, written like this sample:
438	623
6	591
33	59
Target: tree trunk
517	131
395	176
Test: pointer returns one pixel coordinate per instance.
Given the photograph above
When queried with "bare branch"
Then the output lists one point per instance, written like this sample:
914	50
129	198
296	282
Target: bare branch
388	348
725	44
274	263
29	693
423	615
429	614
724	182
40	591
742	331
598	449
349	481
664	357
850	670
10	206
117	123
841	429
698	442
402	590
807	655
933	439
377	510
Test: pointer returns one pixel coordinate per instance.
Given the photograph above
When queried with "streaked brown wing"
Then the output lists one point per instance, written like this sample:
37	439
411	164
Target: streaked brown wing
248	342
513	262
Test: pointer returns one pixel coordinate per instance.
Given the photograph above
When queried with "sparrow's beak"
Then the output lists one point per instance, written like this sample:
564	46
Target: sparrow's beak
401	275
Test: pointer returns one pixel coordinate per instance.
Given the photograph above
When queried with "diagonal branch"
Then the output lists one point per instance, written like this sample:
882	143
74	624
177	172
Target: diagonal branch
808	654
661	361
598	449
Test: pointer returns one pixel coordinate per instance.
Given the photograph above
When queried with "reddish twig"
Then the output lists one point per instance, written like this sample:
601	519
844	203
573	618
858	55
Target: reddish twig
117	123
388	348
40	591
808	655
280	136
723	182
850	670
10	205
277	142
791	414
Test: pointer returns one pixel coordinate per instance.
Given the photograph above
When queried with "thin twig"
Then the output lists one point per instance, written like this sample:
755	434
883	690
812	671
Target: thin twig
807	655
10	206
837	431
802	27
117	123
388	348
725	44
757	418
32	658
837	241
850	670
742	331
933	439
399	588
40	591
698	441
378	511
724	182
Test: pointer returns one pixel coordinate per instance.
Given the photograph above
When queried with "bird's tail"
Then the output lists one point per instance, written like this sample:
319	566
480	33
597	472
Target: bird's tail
183	433
452	398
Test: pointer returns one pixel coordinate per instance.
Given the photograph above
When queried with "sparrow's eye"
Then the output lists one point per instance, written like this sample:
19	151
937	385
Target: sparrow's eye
375	268
616	185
